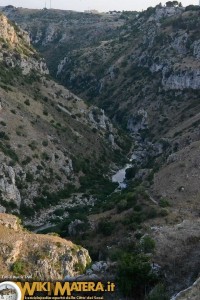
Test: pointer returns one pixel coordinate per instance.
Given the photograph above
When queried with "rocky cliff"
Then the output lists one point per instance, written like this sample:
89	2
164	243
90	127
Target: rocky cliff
40	257
16	50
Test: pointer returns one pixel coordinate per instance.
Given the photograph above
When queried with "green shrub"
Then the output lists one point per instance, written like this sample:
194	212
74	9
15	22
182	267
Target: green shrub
18	268
58	244
3	123
151	213
105	227
26	210
164	212
158	292
4	136
79	267
45	143
9	152
26	161
138	208
27	102
45	112
164	202
131	172
147	244
134	275
122	205
59	212
45	156
33	145
9	205
131	199
29	177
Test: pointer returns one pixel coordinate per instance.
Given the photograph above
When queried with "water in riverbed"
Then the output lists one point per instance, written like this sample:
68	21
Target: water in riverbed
120	176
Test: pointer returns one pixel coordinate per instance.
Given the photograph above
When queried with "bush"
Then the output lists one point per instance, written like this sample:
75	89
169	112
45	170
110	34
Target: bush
45	156
29	177
134	275
26	211
45	112
164	203
9	205
131	199
27	102
79	267
164	212
159	292
26	161
18	268
131	172
147	244
3	123
122	205
45	143
33	145
192	7
105	227
4	136
9	152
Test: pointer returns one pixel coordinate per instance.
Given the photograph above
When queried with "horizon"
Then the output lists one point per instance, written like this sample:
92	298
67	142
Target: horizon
81	5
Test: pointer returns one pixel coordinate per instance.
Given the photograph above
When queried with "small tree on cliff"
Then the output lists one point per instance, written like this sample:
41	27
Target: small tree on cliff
172	4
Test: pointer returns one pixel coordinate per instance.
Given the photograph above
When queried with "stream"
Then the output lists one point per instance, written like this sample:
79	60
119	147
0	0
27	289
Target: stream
120	176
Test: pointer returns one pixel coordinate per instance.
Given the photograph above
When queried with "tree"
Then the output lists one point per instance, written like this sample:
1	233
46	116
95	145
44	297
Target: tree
169	4
172	3
175	3
131	172
134	274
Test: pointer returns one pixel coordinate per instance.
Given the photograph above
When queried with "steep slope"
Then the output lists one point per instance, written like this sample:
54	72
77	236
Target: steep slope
147	80
51	142
37	256
190	293
53	32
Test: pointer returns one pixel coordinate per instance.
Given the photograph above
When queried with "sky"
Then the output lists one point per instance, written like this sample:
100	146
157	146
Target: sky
81	5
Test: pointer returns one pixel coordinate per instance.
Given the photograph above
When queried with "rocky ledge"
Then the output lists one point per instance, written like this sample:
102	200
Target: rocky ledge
45	257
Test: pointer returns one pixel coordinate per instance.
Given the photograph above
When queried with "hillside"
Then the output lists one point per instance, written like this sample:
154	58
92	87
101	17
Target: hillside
145	76
55	32
47	134
142	69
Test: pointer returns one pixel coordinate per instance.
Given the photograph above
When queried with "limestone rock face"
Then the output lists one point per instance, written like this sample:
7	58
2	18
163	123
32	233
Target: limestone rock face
8	188
7	31
163	12
46	257
10	221
9	34
16	50
138	122
31	64
182	80
74	226
196	49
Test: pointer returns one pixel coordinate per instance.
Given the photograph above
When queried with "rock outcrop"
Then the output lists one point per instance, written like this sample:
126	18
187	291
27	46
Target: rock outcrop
45	257
16	50
190	293
8	188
